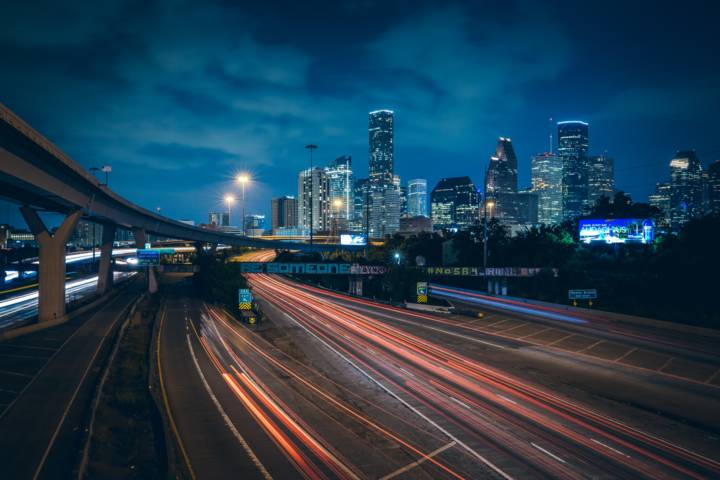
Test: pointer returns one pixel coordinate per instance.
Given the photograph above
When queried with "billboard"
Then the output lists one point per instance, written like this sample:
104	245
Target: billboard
347	239
616	230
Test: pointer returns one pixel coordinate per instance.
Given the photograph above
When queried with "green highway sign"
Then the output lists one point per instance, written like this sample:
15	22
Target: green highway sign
582	294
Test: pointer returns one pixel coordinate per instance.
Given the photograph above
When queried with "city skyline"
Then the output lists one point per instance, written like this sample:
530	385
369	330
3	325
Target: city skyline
251	102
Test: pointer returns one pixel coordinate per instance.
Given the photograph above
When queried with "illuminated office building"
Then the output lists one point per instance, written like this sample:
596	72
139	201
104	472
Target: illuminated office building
284	212
384	195
454	203
601	178
340	182
547	172
417	198
686	188
314	193
573	142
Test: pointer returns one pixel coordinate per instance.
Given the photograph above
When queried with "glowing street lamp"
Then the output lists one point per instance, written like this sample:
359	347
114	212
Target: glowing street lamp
243	179
229	199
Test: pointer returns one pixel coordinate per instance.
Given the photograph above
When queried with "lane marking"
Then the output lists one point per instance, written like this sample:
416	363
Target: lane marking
560	339
550	454
589	346
625	355
256	461
460	403
166	402
414	464
8	372
484	460
609	447
41	464
535	333
522	324
507	399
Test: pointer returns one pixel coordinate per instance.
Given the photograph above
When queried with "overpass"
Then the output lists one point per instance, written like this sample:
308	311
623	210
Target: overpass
38	176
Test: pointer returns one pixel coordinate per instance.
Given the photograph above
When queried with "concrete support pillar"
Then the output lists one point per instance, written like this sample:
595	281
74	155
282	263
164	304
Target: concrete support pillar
140	237
199	249
51	271
140	240
105	273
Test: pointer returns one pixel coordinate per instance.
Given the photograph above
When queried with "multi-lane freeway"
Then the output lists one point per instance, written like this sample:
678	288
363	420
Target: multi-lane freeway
17	305
332	386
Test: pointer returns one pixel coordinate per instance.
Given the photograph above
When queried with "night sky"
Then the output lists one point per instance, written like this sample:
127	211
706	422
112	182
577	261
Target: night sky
179	96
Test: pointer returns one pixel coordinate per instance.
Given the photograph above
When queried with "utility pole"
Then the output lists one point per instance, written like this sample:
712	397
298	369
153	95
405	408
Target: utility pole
311	147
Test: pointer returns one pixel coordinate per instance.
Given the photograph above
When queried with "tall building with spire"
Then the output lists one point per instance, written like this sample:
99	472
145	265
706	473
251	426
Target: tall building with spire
384	195
501	183
573	140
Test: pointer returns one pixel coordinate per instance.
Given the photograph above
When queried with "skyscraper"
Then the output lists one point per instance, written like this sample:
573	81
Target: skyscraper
360	196
601	178
502	170
713	186
284	212
320	199
573	142
454	203
384	194
417	197
661	200
381	147
340	180
547	184
501	185
686	188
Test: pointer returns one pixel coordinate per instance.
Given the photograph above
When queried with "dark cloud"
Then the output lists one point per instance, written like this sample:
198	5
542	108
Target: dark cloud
178	96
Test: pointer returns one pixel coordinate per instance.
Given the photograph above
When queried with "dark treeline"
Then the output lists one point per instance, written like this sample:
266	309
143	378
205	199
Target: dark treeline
672	279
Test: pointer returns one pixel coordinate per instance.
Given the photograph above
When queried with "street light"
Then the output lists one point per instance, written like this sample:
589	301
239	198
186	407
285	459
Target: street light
488	204
242	179
397	257
311	147
229	199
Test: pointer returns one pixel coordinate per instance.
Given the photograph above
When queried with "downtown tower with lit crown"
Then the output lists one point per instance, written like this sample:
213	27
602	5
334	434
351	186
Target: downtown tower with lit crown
383	193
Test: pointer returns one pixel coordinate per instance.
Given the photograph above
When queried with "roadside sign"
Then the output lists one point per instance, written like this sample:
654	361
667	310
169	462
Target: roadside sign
147	258
582	294
422	292
245	299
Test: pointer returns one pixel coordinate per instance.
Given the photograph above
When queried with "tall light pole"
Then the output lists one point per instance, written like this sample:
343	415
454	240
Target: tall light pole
229	199
487	204
311	147
242	179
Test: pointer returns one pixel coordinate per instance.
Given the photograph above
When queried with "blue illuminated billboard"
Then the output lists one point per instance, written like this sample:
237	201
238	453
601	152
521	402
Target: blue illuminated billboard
353	239
616	230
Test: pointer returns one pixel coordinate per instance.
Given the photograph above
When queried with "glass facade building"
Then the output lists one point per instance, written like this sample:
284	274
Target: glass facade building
417	198
284	212
318	199
546	169
686	188
573	143
601	178
384	194
454	203
340	182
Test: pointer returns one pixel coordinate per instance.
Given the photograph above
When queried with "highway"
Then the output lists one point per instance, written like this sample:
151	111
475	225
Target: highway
47	379
660	336
21	303
332	386
513	428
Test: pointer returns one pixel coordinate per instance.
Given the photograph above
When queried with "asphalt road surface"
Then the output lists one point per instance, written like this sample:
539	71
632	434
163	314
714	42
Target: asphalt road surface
51	374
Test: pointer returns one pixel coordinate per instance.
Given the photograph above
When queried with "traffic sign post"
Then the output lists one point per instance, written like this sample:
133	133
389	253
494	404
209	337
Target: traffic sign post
245	299
588	294
422	292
